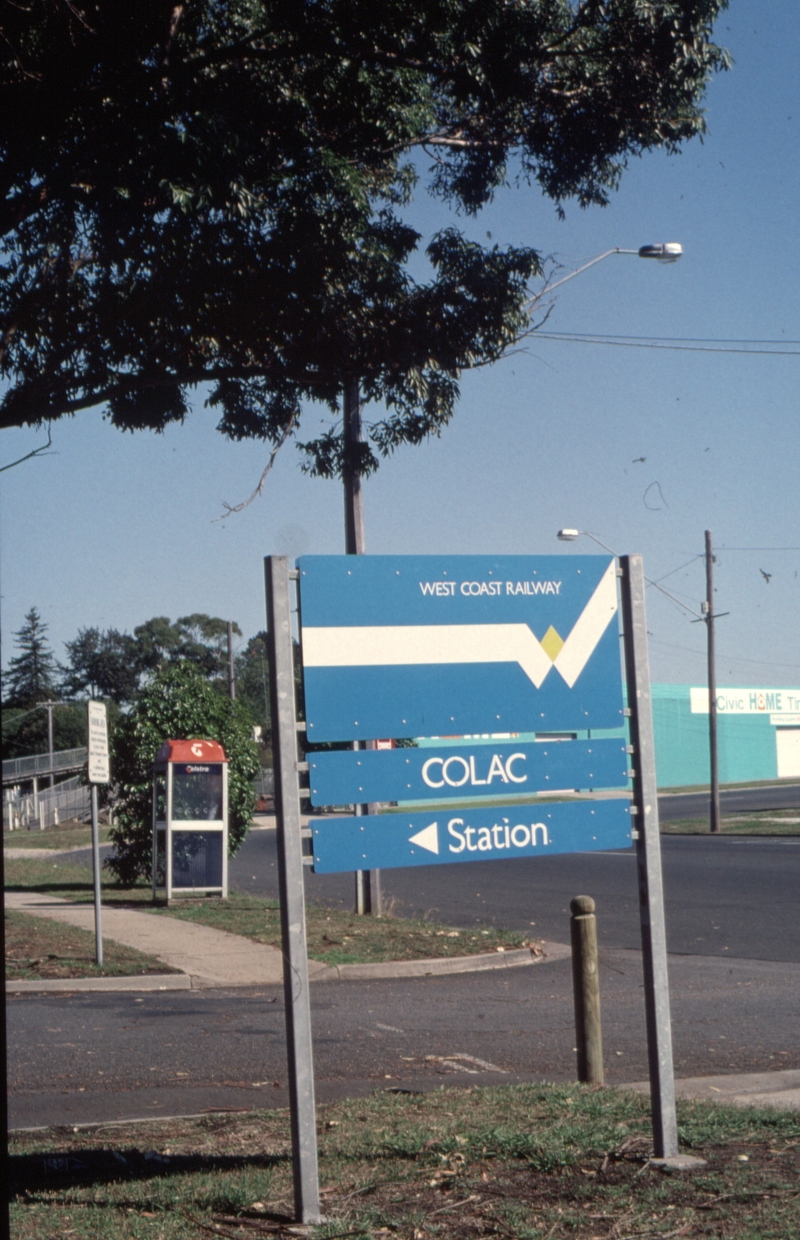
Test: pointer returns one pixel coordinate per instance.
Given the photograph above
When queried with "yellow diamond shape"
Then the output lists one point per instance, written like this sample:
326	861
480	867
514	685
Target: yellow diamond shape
551	643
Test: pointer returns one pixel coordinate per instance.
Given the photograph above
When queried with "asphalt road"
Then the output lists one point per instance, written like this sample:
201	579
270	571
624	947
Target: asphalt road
732	801
97	1057
734	896
733	926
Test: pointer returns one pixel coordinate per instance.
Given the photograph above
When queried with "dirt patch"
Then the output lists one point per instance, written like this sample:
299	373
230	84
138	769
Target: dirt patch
38	948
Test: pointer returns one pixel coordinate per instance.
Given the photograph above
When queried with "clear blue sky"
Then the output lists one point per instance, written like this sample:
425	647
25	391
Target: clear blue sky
113	529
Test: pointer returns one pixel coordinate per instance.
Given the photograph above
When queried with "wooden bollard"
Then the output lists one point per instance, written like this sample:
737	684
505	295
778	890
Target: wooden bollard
586	987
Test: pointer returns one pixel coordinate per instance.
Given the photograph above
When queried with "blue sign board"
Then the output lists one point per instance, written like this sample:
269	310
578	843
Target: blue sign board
405	646
389	841
500	768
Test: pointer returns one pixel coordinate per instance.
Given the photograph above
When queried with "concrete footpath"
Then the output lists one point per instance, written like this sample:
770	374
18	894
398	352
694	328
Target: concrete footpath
746	1089
206	957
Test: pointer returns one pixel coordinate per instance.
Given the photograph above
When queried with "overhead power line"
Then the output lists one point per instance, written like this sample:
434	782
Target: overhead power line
701	654
766	348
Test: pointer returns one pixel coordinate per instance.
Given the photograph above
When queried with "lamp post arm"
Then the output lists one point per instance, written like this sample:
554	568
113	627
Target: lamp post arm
594	538
591	263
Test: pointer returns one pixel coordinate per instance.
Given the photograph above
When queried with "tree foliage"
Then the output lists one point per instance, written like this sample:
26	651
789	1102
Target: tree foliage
32	678
198	639
31	675
102	664
25	731
213	193
112	665
252	681
177	704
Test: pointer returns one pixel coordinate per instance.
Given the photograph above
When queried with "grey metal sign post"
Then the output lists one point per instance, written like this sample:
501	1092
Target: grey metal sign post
297	997
98	773
648	857
395	646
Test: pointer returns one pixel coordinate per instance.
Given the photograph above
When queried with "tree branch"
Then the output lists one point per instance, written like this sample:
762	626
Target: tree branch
232	508
36	452
188	376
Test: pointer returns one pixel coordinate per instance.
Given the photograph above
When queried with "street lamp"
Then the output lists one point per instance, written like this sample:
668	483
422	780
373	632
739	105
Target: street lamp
663	252
368	886
571	535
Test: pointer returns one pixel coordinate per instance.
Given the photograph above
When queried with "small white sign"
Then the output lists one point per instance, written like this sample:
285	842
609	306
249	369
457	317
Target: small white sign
98	744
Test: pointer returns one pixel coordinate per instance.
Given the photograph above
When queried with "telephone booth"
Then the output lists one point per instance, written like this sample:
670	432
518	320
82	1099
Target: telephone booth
190	820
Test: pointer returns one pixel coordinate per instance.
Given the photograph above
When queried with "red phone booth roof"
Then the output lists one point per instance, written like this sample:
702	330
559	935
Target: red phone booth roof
191	751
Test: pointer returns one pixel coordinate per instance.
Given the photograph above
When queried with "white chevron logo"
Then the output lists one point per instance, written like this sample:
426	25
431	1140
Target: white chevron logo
393	645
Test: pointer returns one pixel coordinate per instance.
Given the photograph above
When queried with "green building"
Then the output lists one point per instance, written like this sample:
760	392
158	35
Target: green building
758	734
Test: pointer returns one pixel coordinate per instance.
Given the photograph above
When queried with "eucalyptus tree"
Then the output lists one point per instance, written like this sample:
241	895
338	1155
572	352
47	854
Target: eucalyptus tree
102	664
213	193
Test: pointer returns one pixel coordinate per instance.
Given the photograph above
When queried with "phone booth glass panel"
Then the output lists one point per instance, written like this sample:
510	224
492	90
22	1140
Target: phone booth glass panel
190	819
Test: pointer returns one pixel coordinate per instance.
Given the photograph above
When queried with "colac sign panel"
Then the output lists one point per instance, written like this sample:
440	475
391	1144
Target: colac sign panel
408	646
504	833
434	773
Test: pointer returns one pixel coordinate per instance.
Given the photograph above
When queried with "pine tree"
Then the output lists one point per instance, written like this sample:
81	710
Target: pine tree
31	676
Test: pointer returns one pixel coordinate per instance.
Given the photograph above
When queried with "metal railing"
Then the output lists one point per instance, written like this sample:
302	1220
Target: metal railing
26	812
39	764
264	783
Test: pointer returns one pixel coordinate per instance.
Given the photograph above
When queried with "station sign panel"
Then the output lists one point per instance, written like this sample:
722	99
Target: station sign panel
410	646
467	770
503	833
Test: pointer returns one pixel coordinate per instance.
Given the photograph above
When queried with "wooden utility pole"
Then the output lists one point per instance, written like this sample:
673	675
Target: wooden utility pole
351	477
708	609
368	888
231	675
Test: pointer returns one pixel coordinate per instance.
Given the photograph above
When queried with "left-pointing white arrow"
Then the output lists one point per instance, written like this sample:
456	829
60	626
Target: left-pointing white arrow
427	838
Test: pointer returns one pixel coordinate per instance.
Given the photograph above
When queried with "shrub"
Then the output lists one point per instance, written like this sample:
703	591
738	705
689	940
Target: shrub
177	704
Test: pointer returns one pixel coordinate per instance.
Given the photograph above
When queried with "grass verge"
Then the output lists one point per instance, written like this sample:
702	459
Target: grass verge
766	823
526	1162
339	937
38	948
334	936
677	789
67	835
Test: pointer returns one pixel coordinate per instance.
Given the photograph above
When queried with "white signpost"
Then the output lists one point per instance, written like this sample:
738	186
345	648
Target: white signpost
98	743
98	772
